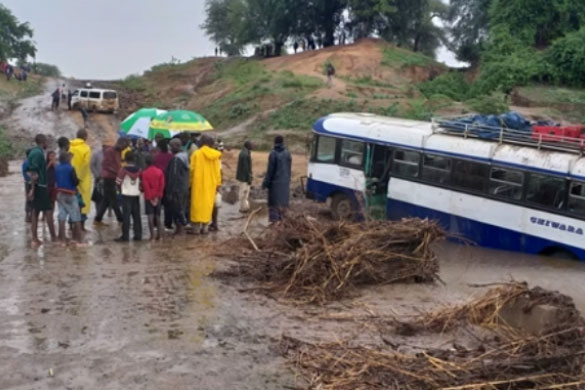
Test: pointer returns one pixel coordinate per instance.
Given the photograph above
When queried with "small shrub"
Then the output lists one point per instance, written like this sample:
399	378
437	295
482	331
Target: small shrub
567	57
450	84
493	104
134	83
239	110
419	110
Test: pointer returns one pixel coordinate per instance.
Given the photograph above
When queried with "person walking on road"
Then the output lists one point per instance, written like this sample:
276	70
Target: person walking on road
153	185
110	168
330	74
277	180
177	187
128	181
39	193
66	183
244	175
205	182
81	161
56	96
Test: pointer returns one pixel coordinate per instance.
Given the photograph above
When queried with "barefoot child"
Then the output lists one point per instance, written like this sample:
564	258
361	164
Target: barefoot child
153	185
66	183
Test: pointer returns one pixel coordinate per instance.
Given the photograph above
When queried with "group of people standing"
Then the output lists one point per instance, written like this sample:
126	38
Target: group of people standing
181	176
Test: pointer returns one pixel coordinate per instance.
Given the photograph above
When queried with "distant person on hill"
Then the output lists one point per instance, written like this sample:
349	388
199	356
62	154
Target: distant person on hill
244	175
277	180
216	51
296	47
303	45
330	74
69	98
9	72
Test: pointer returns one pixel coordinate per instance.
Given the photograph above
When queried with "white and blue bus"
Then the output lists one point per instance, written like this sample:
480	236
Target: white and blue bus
507	195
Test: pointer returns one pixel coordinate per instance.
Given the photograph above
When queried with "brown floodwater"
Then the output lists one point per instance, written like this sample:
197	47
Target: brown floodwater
148	315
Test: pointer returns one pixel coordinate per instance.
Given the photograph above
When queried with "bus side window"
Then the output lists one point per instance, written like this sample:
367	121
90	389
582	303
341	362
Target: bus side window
547	191
406	163
83	94
506	183
470	175
352	153
577	198
326	147
436	169
95	95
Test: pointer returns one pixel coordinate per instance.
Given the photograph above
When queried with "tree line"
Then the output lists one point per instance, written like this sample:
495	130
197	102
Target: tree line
514	41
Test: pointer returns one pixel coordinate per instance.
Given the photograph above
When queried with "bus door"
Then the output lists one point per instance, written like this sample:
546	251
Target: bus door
378	168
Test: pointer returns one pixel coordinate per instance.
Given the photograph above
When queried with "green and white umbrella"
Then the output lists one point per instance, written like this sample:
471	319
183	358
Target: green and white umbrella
172	123
138	123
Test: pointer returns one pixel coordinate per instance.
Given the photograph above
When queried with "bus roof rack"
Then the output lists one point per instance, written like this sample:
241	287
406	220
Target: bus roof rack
462	127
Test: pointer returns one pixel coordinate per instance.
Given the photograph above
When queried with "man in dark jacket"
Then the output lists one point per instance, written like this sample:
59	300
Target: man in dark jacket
177	186
111	165
244	175
277	180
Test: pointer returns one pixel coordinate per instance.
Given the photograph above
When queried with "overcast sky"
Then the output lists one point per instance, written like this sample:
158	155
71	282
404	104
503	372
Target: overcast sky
108	39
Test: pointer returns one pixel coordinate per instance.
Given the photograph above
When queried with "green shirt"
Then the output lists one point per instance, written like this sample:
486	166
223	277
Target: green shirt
38	164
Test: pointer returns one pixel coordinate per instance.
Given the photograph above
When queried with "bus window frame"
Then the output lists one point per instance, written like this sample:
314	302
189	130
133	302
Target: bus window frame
360	167
418	177
315	158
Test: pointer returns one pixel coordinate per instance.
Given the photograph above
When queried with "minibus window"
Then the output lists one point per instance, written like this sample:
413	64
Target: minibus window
110	95
95	95
83	94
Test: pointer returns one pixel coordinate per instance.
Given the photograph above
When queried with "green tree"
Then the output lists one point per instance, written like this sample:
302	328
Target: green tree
538	23
272	20
567	58
226	25
46	70
468	23
15	37
369	16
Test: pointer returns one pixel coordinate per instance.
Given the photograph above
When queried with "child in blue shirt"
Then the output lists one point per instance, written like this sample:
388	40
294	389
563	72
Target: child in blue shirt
66	182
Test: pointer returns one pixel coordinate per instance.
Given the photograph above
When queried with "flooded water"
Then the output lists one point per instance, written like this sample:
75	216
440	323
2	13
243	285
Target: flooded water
148	316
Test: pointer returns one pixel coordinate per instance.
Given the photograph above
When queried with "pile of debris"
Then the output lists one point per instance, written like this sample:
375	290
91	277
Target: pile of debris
314	260
522	339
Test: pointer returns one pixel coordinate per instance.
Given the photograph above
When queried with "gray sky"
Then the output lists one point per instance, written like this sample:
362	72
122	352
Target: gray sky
108	39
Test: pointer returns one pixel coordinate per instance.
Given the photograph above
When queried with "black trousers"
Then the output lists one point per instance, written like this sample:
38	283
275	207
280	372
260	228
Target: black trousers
131	208
110	199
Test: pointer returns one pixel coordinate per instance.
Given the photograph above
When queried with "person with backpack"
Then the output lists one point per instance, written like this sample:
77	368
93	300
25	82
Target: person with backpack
128	181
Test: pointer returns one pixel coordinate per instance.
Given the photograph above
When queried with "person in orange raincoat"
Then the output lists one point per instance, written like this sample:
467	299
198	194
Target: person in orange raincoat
205	182
81	161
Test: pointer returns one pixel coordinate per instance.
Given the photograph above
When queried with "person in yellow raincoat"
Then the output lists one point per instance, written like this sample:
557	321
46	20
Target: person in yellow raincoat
205	181
81	161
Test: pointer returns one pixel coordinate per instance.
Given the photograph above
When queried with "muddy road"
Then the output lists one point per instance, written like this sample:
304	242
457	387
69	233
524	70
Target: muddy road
149	316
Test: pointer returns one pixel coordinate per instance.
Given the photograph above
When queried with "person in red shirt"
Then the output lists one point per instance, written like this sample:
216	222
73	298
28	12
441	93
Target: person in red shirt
153	185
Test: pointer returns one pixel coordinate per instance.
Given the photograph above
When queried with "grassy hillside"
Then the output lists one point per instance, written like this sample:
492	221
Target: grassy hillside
256	98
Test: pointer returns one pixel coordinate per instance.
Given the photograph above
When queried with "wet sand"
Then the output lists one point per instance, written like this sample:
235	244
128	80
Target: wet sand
148	315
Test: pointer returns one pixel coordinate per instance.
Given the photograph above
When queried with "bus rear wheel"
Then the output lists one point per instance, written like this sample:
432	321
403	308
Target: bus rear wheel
341	207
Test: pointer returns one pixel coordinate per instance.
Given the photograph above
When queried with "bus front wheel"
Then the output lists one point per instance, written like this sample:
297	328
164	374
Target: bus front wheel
341	207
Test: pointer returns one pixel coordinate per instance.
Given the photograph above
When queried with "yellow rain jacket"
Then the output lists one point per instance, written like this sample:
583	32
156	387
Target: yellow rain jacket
205	180
81	162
